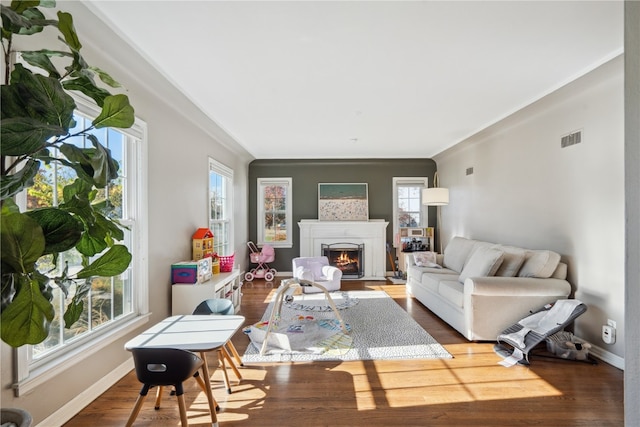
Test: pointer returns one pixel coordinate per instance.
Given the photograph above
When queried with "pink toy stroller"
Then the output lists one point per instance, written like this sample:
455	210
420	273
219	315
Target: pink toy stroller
262	270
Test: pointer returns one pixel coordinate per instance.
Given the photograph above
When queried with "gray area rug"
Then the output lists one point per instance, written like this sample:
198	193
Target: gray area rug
380	330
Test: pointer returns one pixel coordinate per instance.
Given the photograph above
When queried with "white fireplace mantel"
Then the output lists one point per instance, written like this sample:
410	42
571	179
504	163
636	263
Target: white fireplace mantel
373	233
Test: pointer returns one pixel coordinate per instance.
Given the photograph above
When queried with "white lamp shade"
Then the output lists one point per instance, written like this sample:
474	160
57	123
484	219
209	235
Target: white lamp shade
435	196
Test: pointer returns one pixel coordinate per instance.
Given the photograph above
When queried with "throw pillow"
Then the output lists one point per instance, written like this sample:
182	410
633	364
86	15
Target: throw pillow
484	261
423	258
316	269
513	259
540	264
457	252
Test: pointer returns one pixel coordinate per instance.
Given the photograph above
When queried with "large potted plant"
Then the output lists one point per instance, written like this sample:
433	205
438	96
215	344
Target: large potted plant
37	127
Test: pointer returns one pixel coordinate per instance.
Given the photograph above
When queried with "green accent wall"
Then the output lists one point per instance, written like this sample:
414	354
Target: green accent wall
307	173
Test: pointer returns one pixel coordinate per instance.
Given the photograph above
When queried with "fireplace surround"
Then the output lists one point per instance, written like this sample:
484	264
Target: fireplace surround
372	234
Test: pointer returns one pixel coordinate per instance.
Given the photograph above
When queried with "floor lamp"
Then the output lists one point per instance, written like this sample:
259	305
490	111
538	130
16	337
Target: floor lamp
436	196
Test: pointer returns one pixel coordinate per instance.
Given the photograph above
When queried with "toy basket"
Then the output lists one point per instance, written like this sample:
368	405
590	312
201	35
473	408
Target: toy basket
226	263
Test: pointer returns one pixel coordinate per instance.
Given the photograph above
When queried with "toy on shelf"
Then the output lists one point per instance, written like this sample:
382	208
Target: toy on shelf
262	270
202	244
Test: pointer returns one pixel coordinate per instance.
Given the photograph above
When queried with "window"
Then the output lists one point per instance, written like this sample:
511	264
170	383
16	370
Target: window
220	207
274	212
113	305
408	210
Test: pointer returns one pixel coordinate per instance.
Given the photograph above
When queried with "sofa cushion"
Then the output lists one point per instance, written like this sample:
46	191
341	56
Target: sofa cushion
452	291
513	259
540	264
457	252
431	280
484	261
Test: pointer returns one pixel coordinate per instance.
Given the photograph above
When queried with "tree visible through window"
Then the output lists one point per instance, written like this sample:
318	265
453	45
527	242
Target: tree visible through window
108	298
274	211
220	203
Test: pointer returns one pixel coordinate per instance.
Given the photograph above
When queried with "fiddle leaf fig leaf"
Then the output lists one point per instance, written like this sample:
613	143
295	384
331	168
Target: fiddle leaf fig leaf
22	241
115	261
116	112
105	77
87	86
26	320
41	59
11	185
24	135
76	306
65	25
61	230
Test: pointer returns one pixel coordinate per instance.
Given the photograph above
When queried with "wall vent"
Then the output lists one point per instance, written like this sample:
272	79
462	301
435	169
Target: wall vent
469	171
571	139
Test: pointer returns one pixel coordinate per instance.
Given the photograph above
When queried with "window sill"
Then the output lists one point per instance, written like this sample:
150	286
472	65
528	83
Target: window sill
47	371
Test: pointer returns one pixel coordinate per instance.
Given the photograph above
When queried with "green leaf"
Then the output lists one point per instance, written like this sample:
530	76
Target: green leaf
111	227
65	25
105	168
26	320
90	245
115	261
24	135
76	306
85	85
11	185
22	5
42	60
105	77
61	230
22	241
116	112
42	98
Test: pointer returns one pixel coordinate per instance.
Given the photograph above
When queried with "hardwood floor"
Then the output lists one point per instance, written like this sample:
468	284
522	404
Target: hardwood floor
470	389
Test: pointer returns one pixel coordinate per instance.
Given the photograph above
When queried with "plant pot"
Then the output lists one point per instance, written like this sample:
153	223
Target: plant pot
19	417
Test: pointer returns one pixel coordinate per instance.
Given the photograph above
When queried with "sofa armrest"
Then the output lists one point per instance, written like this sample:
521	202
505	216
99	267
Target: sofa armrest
492	304
332	273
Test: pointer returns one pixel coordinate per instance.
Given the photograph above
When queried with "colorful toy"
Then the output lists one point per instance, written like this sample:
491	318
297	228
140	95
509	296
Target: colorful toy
202	244
262	270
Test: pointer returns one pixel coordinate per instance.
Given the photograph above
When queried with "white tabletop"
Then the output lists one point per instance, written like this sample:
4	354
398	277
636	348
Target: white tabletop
189	332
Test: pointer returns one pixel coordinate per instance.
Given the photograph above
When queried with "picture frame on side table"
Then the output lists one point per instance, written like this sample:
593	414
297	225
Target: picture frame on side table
343	202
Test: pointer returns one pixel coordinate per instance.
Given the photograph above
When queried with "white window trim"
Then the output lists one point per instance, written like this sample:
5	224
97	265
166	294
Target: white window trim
28	378
227	172
398	181
288	182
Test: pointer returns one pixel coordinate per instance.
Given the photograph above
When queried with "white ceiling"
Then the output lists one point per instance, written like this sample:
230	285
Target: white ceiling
365	79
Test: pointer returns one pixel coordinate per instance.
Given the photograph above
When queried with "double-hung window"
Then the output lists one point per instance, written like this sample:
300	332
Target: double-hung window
408	210
274	212
220	207
113	305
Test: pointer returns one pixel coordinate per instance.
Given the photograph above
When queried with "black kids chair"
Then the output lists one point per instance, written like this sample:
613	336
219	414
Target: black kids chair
164	367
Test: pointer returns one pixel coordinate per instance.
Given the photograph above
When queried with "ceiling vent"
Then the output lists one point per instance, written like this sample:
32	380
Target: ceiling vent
571	139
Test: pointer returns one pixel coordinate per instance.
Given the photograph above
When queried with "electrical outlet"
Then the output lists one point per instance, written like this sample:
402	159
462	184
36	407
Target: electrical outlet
611	323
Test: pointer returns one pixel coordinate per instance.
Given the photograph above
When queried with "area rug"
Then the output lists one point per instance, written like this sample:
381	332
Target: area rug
379	330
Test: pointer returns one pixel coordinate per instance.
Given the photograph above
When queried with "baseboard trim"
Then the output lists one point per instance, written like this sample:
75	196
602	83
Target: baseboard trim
607	357
68	411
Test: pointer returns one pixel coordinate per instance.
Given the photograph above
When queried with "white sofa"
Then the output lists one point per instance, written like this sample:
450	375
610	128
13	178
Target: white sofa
482	288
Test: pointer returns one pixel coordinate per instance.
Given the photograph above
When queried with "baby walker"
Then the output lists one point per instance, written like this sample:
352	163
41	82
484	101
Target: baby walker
262	270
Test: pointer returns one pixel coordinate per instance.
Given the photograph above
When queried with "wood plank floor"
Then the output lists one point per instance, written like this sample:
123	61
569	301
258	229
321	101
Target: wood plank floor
470	389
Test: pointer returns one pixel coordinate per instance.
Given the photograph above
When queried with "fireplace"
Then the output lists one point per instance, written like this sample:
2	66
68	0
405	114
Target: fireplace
348	257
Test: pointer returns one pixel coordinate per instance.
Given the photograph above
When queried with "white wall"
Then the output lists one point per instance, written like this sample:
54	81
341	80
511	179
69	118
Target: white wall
528	191
180	139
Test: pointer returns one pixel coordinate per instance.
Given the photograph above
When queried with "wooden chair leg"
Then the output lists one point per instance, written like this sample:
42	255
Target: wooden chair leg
223	368
183	411
231	364
158	397
136	410
203	386
235	353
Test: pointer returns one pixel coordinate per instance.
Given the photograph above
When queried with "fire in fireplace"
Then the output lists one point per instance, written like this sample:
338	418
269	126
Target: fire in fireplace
348	257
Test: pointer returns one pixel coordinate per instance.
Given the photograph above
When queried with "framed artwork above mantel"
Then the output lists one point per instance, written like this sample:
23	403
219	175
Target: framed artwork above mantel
343	202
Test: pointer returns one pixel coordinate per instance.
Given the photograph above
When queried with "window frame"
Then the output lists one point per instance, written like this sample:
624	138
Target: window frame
227	173
416	181
29	374
284	182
